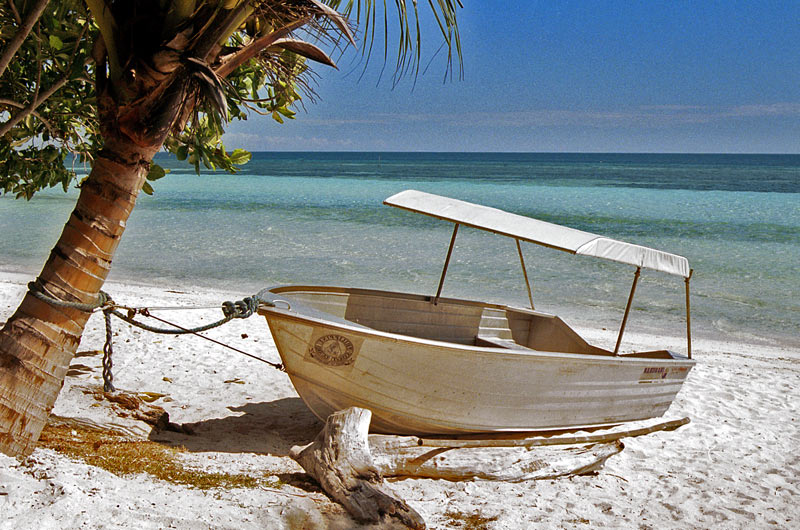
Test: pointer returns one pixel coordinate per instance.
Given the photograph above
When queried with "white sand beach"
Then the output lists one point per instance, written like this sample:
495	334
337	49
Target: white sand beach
736	465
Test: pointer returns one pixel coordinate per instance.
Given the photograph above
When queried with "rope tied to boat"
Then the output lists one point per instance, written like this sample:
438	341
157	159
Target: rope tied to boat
230	310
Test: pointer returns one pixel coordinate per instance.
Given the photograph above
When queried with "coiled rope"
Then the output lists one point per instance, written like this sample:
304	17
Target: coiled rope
230	310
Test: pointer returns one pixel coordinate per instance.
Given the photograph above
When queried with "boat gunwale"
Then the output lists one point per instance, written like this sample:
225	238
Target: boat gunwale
420	297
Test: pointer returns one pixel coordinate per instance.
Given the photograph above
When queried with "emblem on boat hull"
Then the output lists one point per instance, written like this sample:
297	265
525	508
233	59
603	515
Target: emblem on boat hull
333	350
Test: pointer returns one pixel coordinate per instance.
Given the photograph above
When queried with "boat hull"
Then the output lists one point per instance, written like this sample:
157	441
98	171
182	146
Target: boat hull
416	385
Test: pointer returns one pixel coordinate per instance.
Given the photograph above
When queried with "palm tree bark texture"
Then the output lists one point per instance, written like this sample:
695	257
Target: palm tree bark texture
136	111
38	342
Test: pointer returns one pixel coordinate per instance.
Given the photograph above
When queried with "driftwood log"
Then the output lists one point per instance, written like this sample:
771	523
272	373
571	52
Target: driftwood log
339	459
350	465
508	464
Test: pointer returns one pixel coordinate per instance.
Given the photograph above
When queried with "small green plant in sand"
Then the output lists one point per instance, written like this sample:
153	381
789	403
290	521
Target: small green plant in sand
473	521
126	457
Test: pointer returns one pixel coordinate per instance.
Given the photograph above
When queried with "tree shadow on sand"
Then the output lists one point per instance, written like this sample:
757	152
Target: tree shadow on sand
267	428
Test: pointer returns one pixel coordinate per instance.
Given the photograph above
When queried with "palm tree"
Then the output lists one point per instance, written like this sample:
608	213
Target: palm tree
166	74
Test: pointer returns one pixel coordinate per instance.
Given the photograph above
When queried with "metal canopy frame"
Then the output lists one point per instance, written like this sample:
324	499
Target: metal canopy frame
628	306
539	232
447	264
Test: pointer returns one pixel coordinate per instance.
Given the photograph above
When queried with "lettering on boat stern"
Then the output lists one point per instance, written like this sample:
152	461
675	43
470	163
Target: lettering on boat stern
333	349
654	374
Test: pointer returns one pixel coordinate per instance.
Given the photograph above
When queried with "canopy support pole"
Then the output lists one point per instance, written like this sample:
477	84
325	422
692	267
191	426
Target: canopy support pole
446	263
524	272
627	309
688	317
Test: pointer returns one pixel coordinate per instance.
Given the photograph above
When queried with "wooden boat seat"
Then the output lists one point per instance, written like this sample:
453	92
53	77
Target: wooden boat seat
497	342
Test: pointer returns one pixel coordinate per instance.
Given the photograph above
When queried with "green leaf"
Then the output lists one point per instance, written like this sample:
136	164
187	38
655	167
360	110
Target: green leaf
240	156
205	158
182	152
55	42
147	188
156	172
50	153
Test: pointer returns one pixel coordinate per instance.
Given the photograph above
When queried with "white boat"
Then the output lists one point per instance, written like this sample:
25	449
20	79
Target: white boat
431	365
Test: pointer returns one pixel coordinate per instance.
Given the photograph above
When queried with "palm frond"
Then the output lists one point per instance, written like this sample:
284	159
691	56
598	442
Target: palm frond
305	49
337	18
409	46
210	86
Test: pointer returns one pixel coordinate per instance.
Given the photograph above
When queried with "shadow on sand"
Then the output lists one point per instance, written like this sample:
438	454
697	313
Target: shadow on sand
267	428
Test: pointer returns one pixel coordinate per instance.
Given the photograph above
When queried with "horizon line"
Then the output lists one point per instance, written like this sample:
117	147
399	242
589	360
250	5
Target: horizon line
743	153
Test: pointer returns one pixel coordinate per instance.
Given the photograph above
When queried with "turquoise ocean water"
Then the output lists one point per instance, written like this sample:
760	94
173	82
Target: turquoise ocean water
317	218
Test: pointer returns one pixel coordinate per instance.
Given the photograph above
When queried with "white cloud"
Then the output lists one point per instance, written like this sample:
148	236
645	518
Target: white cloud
670	127
257	142
774	109
648	116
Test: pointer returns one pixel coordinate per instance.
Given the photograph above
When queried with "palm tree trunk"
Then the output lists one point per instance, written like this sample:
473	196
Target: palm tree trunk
38	342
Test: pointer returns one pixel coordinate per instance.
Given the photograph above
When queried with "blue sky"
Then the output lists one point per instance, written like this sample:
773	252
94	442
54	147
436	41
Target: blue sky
571	76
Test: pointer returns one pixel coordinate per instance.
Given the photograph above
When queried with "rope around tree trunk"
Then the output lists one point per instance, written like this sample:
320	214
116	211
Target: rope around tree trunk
239	309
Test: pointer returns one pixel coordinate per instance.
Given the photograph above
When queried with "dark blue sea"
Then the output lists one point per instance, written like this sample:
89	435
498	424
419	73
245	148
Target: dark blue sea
318	218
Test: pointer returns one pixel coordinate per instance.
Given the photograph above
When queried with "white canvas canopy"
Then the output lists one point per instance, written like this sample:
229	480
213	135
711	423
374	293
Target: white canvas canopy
539	232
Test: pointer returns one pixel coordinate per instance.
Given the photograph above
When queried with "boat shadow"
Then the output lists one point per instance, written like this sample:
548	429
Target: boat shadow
272	428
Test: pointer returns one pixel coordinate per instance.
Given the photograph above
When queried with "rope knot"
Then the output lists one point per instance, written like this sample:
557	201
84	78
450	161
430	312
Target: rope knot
104	300
240	308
